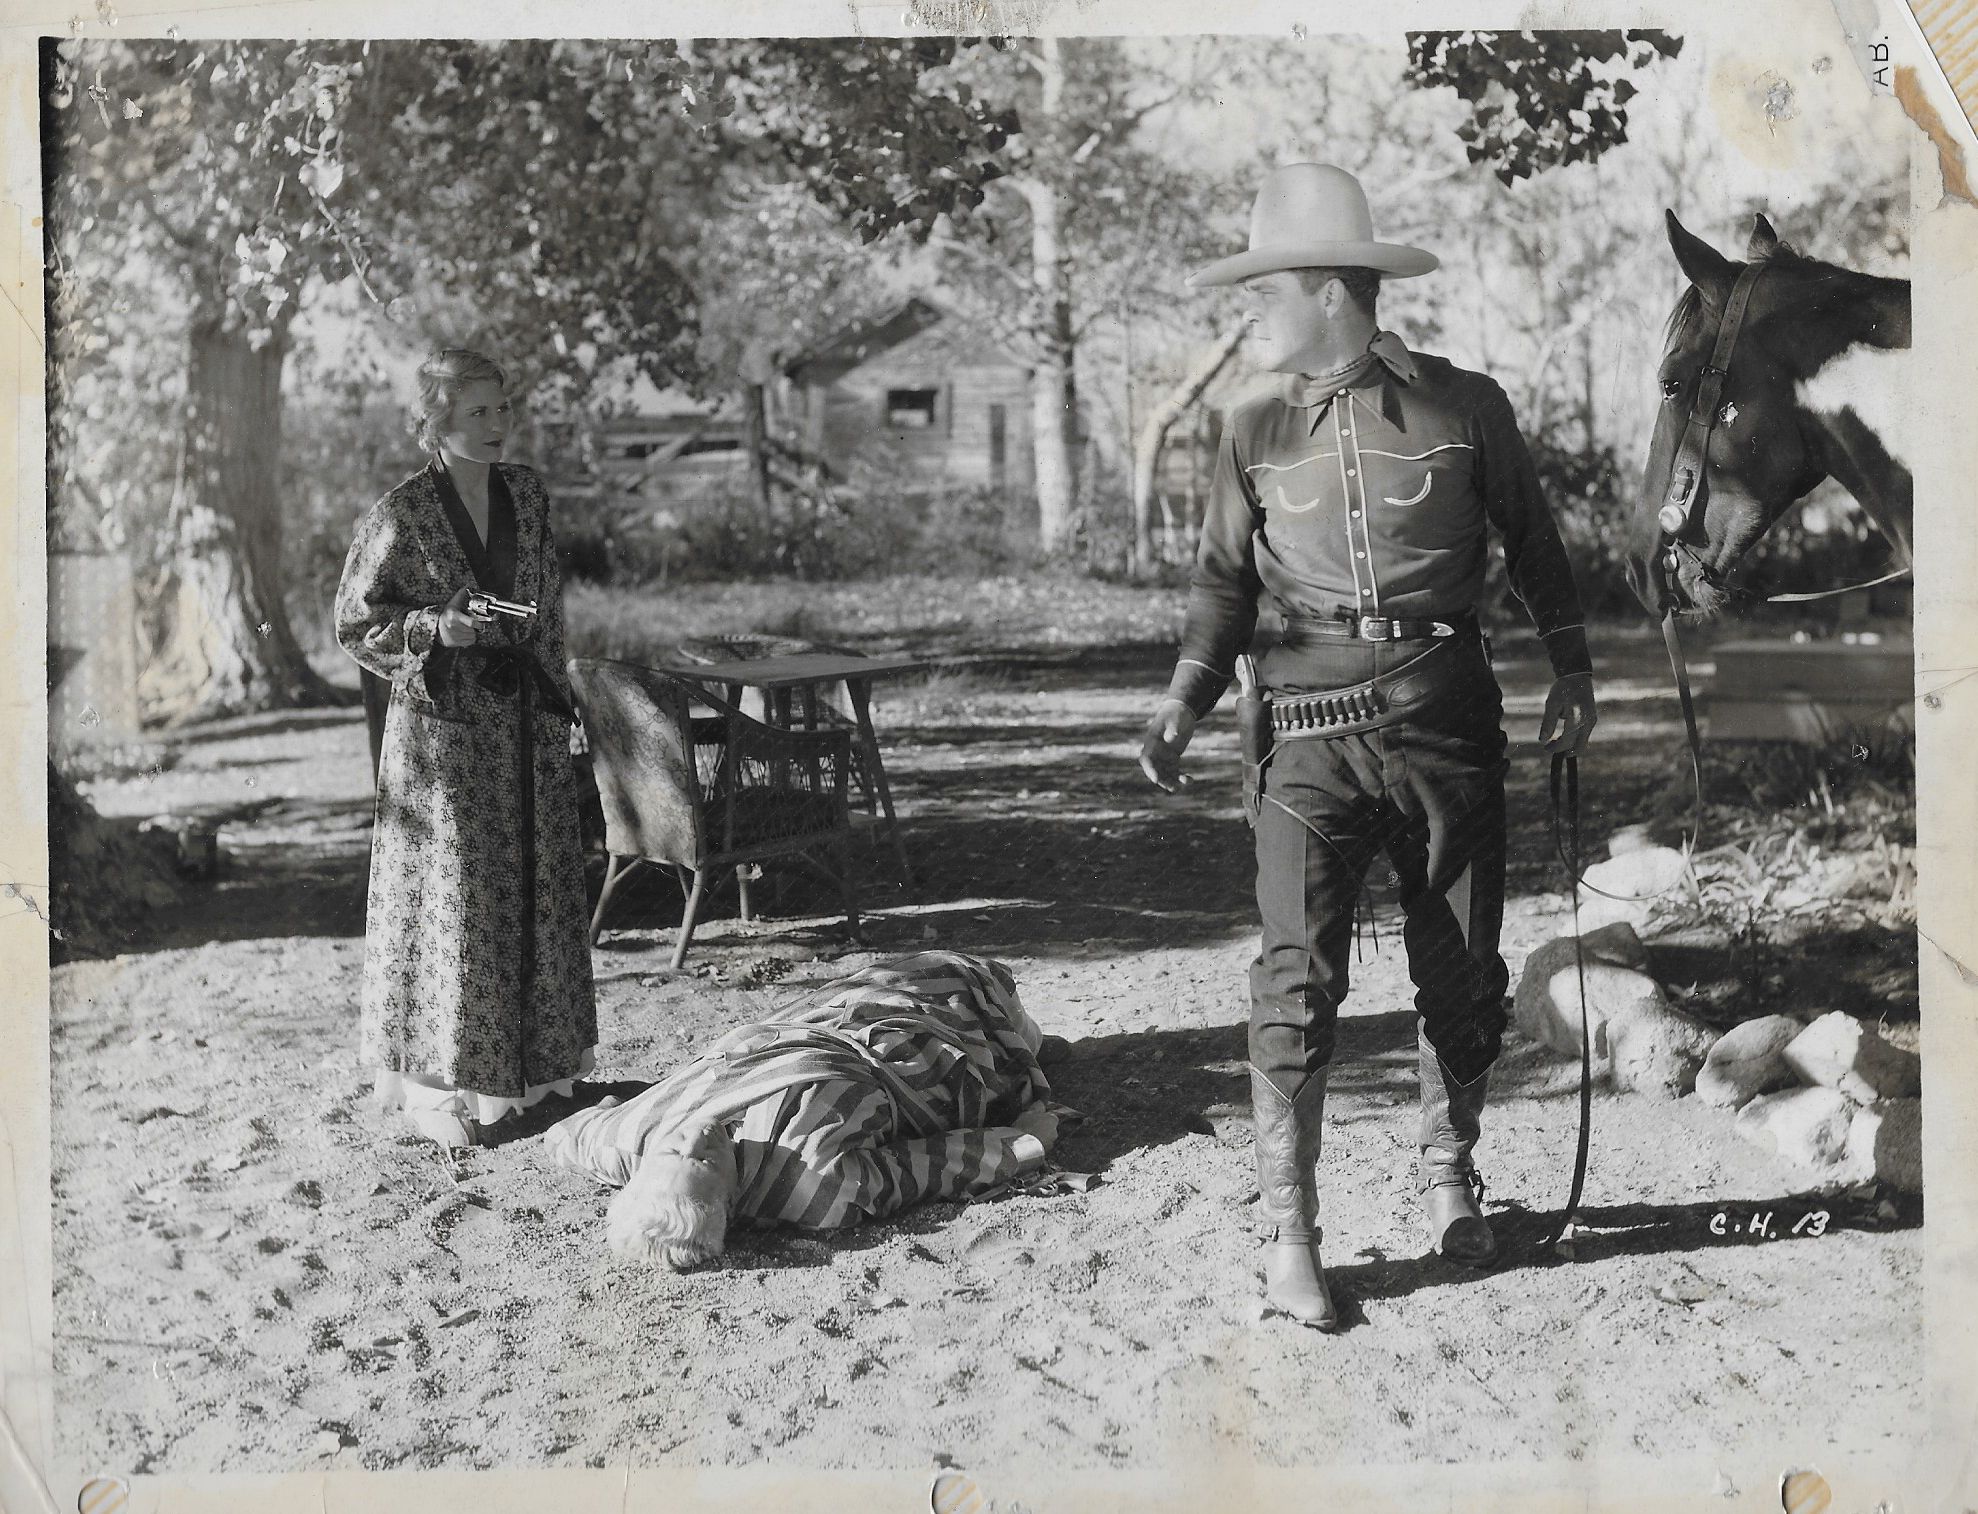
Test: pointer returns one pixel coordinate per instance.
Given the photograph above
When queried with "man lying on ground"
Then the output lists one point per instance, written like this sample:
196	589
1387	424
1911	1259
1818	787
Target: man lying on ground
911	1079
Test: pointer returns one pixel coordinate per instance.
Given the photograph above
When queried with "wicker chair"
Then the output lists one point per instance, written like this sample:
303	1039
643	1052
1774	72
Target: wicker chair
706	794
822	707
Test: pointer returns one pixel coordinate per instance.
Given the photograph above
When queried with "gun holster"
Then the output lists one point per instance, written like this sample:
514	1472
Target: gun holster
1254	736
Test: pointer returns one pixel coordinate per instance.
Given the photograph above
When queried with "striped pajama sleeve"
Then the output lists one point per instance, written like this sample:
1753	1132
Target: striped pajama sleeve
879	1181
830	1167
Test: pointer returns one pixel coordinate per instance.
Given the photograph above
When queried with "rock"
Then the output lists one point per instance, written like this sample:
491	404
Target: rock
1807	1127
1629	838
1616	944
1839	1051
1746	1061
1640	1043
1655	1048
1683	1284
1533	1009
1885	1140
1547	1005
1631	886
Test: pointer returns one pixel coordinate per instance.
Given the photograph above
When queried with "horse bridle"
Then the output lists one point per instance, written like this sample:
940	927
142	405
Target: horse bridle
1689	491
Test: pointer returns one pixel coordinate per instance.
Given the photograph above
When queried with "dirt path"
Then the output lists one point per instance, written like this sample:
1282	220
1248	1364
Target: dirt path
256	1271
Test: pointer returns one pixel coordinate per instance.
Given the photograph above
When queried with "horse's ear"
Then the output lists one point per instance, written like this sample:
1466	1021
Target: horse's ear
1707	268
1764	240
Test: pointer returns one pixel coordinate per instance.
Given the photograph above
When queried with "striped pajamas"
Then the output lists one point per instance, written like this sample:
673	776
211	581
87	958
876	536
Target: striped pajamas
879	1090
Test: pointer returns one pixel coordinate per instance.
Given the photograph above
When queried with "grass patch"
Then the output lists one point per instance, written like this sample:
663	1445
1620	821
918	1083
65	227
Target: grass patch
945	692
911	612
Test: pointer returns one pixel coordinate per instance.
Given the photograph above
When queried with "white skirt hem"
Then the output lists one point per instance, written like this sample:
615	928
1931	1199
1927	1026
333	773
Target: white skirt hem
411	1090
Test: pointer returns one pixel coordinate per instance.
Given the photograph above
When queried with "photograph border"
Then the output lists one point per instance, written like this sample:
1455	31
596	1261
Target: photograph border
1939	1471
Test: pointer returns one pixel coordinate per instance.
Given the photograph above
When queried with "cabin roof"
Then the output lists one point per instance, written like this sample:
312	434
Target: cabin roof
858	344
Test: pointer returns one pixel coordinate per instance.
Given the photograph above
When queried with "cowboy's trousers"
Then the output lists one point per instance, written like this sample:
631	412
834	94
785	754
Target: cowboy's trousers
1428	791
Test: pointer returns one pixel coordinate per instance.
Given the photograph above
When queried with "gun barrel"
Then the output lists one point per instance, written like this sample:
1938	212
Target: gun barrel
486	606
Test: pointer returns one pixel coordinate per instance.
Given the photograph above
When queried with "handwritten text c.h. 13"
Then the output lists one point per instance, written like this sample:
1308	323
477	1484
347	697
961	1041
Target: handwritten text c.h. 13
1764	1225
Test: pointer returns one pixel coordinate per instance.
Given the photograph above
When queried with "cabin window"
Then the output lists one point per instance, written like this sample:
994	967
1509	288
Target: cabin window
911	409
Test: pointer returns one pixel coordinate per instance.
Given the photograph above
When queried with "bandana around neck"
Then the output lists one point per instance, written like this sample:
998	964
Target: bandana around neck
1386	350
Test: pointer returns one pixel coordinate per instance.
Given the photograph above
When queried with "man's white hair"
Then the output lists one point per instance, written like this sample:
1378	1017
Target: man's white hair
675	1208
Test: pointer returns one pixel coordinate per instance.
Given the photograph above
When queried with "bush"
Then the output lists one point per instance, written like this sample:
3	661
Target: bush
827	535
1869	775
1843	548
1594	502
104	874
1591	502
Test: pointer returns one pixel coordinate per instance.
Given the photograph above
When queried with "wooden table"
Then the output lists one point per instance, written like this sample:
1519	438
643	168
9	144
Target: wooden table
790	688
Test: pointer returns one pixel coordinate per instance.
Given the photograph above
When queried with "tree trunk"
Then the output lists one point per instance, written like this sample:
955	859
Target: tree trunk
222	643
1154	434
1589	400
756	434
1052	398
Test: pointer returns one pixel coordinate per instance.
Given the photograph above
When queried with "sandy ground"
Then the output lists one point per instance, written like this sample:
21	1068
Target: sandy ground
256	1271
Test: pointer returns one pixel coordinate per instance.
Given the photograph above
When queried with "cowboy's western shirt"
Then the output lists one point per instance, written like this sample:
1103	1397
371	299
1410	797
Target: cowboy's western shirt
1372	495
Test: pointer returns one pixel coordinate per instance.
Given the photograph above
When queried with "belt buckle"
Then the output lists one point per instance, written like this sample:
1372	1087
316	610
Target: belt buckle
1376	628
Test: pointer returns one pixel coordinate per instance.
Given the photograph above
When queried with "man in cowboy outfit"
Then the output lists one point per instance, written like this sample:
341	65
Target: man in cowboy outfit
1357	499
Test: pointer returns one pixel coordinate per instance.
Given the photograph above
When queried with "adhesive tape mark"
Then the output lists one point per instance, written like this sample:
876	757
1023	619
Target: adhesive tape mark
1804	1493
103	1495
957	1493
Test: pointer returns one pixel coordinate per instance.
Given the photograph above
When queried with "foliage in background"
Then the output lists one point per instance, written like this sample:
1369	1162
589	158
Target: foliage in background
876	132
1591	501
719	236
1101	213
1042	610
1538	100
527	197
837	534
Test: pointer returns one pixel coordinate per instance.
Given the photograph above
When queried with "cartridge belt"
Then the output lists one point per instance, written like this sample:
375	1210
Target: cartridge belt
1380	701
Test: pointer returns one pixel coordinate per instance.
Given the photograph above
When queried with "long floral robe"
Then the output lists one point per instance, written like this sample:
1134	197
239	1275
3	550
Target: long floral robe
477	965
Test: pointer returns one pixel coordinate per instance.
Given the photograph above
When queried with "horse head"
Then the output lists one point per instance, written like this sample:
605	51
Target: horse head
1769	425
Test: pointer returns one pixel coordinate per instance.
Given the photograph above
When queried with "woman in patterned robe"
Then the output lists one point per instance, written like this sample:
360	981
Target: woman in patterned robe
477	995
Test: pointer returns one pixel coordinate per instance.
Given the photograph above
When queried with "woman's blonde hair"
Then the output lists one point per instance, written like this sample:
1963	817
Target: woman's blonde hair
442	377
675	1208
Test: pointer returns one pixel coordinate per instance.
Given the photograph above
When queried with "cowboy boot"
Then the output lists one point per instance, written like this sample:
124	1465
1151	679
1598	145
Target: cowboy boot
1452	1190
1287	1137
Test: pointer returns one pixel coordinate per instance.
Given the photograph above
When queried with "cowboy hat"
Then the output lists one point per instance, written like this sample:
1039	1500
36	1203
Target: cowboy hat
1312	215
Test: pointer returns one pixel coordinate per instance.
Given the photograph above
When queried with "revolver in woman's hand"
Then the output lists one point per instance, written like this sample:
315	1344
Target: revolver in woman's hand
486	607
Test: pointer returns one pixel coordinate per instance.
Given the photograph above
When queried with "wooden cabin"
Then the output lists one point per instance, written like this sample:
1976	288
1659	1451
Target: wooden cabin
917	398
665	448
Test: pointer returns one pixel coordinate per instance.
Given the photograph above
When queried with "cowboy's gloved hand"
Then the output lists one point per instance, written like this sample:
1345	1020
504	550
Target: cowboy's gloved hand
1166	739
1569	715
